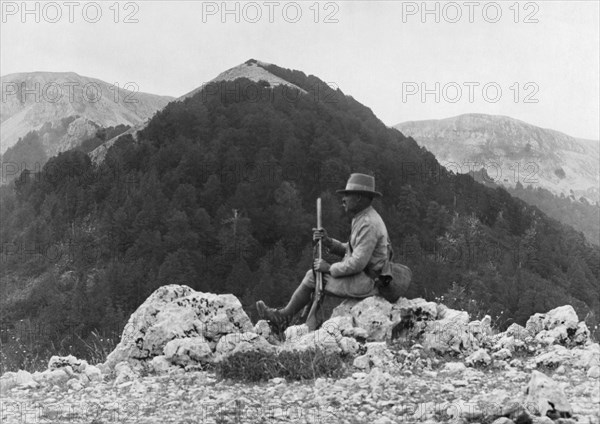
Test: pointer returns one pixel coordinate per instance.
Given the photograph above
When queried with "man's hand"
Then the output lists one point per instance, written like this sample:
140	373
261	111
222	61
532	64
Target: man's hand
321	234
321	266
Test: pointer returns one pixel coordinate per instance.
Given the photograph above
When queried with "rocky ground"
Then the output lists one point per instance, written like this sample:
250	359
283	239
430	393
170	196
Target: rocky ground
439	393
438	367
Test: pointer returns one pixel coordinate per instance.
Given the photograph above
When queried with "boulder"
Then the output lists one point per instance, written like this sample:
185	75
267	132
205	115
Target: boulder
54	377
242	342
77	365
326	339
188	351
449	333
93	373
373	315
161	365
414	310
294	332
177	312
553	358
479	357
547	397
593	372
454	367
377	355
558	325
586	357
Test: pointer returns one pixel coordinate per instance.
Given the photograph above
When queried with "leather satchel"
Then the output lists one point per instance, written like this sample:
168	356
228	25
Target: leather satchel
394	279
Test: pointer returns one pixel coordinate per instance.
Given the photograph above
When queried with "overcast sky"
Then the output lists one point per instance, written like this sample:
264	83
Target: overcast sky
384	53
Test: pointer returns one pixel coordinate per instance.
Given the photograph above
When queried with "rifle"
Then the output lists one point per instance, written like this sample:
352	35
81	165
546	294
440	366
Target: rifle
311	320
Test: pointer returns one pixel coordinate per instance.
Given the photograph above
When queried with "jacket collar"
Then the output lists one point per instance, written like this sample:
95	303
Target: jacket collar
363	212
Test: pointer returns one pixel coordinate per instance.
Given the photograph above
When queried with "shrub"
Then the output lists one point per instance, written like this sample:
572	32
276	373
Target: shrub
258	366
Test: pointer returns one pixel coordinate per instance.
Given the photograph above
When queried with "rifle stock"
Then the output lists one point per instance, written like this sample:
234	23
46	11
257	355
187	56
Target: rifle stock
311	321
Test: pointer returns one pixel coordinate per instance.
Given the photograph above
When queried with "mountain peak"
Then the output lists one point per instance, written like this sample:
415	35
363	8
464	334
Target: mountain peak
252	69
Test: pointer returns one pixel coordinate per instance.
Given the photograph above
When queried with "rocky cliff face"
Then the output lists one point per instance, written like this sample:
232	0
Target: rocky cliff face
30	100
512	151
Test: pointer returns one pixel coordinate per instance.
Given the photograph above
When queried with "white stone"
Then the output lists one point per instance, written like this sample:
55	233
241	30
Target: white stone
295	332
188	350
93	373
74	384
242	342
262	328
479	357
414	309
54	377
25	379
349	346
160	365
502	354
593	372
344	324
373	315
454	367
177	311
542	392
76	365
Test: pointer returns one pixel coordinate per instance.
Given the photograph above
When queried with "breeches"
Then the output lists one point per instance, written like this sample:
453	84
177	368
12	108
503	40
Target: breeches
358	285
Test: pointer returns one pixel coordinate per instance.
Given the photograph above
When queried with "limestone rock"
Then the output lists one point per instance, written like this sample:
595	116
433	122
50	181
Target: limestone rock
587	356
344	324
53	377
294	332
594	372
414	309
74	384
479	357
557	325
349	346
517	331
449	333
177	311
93	373
547	396
582	334
454	367
325	339
172	322
554	357
502	354
373	315
76	365
123	373
161	365
377	355
262	328
189	350
242	342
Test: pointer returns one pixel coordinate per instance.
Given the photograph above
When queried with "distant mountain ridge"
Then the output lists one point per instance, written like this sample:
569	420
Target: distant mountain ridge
513	151
31	100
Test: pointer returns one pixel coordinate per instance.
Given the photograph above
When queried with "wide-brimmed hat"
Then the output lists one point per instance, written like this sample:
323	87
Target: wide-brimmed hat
360	184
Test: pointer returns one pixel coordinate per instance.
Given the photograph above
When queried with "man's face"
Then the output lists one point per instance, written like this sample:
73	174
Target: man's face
350	202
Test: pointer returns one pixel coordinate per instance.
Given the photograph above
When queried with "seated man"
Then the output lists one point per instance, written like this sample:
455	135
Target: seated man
365	254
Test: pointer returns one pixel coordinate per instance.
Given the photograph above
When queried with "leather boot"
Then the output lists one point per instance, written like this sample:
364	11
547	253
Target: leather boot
271	314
